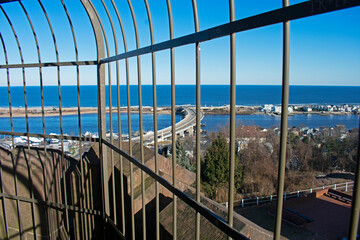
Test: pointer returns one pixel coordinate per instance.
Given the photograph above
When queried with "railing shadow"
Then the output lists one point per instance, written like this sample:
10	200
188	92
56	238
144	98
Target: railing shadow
33	185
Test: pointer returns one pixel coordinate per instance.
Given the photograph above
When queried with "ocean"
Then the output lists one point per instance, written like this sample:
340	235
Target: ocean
211	95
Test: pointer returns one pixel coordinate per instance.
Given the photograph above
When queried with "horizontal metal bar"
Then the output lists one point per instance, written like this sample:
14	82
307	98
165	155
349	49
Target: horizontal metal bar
5	1
119	233
301	10
50	64
61	137
211	217
51	204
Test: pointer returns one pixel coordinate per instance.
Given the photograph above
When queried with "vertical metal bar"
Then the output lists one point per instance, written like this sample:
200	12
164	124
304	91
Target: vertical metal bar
140	120
40	69
157	207
284	123
2	191
40	72
110	109
111	140
62	161
129	134
9	91
355	205
82	182
130	152
105	160
198	118
12	137
14	164
232	116
101	105
27	127
89	198
119	119
42	97
173	128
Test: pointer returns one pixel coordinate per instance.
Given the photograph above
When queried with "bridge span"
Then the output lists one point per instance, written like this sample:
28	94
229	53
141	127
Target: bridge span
186	125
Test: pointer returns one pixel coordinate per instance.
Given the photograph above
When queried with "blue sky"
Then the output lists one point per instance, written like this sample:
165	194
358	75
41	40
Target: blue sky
325	49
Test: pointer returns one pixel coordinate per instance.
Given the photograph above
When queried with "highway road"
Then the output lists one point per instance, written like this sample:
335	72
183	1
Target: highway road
186	123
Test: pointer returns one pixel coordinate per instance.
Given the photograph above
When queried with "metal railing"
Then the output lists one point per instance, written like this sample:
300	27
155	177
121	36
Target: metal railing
84	207
290	195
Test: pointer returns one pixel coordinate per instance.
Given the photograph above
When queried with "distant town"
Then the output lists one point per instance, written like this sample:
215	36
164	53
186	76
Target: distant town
292	109
344	108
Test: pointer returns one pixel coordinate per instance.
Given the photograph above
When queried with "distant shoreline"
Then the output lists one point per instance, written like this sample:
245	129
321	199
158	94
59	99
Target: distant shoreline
54	111
222	110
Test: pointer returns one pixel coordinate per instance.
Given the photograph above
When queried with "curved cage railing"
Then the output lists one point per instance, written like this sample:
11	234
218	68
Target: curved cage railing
48	192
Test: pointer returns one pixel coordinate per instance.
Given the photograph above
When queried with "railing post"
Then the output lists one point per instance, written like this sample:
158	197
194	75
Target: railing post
355	204
101	106
283	125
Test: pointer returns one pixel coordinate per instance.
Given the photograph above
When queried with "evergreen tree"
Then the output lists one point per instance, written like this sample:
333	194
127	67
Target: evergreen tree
215	167
181	157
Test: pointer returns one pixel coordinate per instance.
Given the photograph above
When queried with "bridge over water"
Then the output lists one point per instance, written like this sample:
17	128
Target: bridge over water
186	125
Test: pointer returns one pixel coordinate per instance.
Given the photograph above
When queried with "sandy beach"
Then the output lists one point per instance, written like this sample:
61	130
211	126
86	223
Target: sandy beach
52	111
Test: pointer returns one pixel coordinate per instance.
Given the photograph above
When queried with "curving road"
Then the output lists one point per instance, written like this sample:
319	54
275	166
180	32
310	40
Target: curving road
186	123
